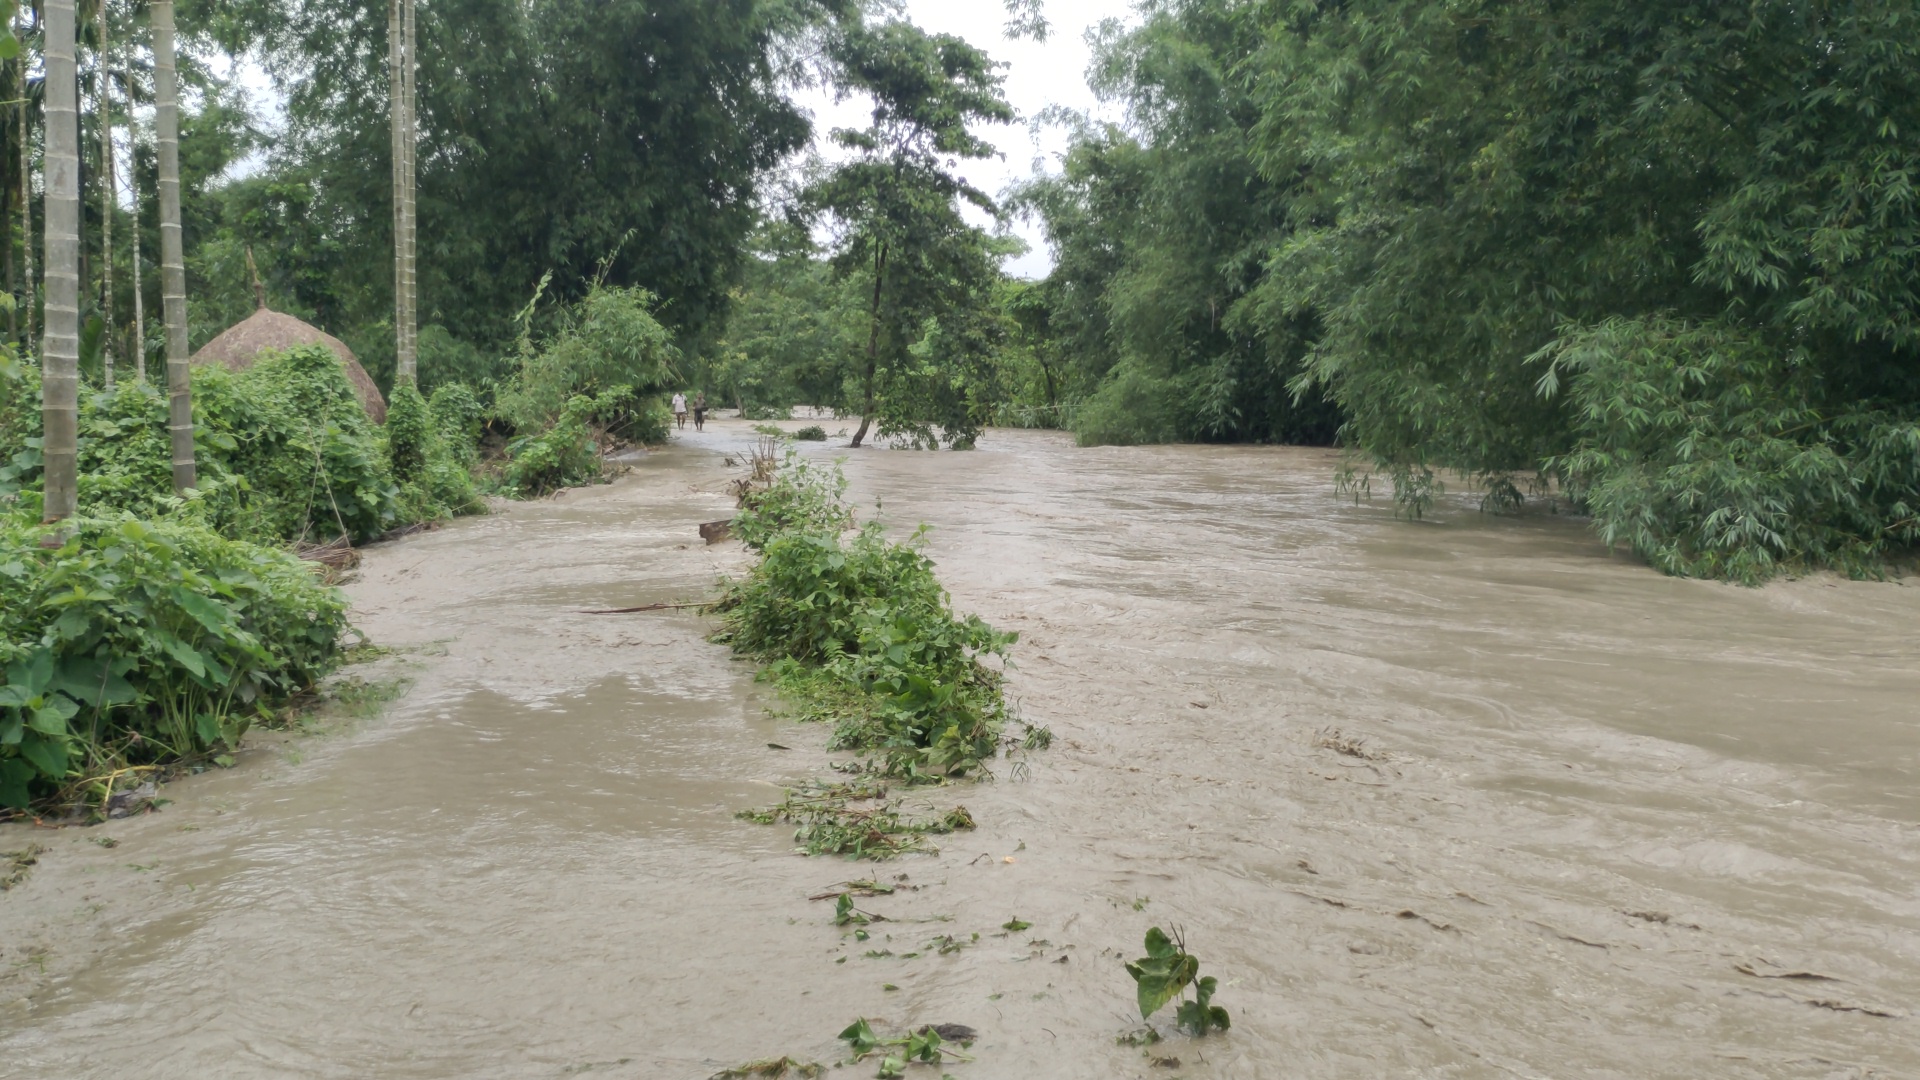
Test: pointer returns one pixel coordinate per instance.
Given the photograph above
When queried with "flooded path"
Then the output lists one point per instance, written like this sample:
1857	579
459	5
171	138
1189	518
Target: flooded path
1460	798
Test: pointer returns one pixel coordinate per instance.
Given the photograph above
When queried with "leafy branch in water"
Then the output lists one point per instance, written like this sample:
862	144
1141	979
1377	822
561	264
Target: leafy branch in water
830	821
928	1046
1165	973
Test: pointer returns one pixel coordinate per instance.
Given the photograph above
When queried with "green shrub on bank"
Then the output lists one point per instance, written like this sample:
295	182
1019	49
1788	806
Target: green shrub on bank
283	451
139	642
457	415
567	454
859	630
434	482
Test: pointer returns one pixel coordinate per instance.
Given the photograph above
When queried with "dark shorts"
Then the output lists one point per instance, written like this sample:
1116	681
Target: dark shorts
699	416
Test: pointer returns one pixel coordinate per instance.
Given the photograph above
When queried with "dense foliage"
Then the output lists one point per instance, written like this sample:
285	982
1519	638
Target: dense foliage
285	452
132	642
860	631
1659	254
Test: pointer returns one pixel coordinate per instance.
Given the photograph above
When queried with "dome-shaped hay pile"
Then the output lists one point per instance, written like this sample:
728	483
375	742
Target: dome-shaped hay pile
242	344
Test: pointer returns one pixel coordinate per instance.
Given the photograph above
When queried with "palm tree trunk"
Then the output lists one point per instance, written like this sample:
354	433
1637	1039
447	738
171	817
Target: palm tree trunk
401	67
26	187
103	94
60	355
173	270
133	190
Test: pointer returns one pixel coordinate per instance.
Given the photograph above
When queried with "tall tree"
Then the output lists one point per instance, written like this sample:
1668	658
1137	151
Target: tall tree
402	67
896	205
173	270
671	115
60	375
103	104
133	196
22	117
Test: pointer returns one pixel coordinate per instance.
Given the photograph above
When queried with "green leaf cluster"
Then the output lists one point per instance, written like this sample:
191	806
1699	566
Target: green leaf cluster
138	641
859	630
1164	974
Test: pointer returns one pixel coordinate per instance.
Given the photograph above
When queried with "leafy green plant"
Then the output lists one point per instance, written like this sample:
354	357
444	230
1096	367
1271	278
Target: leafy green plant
457	414
566	454
410	432
136	642
811	433
1165	973
925	1046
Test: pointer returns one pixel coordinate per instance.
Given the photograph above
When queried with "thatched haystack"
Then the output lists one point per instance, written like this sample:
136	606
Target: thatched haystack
243	342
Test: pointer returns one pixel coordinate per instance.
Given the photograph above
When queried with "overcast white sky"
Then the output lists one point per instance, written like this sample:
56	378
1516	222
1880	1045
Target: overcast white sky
1038	75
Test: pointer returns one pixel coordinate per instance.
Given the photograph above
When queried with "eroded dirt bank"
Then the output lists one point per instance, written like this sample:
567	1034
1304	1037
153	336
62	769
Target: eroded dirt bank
1577	819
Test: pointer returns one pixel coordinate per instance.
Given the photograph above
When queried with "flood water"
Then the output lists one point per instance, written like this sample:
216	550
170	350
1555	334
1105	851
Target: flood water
1467	797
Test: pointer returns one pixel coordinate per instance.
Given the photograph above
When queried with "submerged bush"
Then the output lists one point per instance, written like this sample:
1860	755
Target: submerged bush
1710	452
137	642
859	630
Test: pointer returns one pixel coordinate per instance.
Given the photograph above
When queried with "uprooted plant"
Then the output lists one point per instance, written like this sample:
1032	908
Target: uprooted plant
856	820
1165	973
929	1045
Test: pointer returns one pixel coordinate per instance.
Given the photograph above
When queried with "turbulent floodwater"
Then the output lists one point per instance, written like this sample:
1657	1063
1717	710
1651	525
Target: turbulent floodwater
1460	798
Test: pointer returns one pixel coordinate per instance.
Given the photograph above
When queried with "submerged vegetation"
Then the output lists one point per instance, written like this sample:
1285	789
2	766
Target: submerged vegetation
856	631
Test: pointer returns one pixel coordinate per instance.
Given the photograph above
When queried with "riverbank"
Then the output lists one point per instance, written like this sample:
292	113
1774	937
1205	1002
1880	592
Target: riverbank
1463	797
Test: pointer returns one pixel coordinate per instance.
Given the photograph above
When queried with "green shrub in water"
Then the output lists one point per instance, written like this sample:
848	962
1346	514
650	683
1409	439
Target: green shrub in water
859	630
136	642
811	433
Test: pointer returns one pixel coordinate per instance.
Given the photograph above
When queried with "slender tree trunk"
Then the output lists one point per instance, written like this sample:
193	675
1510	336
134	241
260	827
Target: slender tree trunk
103	88
873	344
26	189
173	270
60	354
401	65
133	190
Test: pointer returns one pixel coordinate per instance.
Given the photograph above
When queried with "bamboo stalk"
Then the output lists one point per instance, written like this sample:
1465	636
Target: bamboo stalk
133	192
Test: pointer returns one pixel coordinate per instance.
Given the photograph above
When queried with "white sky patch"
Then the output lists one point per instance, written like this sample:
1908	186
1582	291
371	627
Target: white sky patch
1039	76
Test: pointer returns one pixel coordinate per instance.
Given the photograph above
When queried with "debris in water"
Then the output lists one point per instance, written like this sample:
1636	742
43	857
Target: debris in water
15	865
773	1067
1754	970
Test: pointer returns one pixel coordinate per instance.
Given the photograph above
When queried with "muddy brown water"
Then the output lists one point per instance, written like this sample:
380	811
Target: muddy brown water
1461	798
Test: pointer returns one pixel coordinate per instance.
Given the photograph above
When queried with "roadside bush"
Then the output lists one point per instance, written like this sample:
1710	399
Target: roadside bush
566	454
433	483
457	415
860	631
609	339
283	451
800	498
138	642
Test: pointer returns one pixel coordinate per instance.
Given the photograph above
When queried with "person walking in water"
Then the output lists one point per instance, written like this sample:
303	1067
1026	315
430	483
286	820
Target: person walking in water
680	411
700	411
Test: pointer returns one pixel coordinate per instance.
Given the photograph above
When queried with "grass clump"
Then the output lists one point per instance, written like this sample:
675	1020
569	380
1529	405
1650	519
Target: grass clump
856	629
811	433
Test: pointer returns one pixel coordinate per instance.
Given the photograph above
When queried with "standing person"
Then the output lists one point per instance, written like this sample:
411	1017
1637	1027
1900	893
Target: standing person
700	411
680	410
